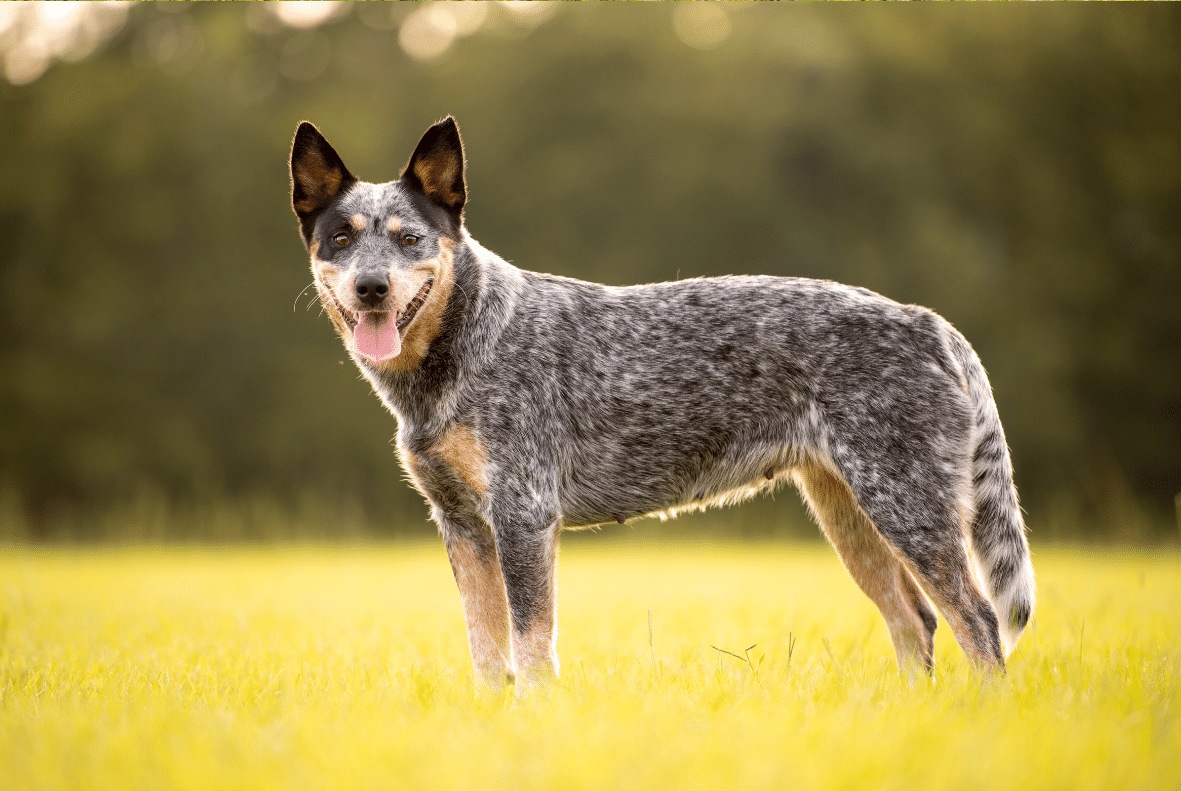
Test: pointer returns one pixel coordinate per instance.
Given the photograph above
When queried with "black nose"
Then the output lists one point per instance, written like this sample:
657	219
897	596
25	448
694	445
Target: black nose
372	289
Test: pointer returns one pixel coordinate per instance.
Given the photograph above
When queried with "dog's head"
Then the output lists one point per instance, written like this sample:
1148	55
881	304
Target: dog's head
382	254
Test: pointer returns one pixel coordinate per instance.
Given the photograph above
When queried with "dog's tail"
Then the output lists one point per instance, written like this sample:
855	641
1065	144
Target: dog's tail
999	547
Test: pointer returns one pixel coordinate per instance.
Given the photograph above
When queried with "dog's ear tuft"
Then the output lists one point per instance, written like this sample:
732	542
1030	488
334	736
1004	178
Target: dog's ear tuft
436	167
317	176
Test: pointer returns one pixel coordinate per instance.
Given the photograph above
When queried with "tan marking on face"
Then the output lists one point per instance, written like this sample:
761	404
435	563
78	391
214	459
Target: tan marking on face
485	610
426	325
462	450
403	288
394	224
328	279
314	249
358	222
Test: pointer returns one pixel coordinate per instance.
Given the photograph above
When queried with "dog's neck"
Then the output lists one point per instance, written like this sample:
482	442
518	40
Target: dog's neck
484	294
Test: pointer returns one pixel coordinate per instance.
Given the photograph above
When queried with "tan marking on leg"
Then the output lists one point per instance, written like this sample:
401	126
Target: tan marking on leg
394	224
463	451
872	564
426	325
535	648
485	611
960	601
358	222
946	576
535	655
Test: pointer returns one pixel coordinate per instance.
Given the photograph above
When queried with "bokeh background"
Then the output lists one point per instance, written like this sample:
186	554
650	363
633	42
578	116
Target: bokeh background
1017	169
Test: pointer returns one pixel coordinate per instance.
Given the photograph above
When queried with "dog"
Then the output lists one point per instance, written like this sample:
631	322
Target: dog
527	403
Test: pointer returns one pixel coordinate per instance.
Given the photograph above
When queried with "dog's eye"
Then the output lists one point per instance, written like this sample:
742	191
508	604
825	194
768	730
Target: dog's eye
409	239
341	239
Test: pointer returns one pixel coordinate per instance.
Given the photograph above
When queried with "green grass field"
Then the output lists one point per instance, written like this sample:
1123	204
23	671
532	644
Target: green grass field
347	668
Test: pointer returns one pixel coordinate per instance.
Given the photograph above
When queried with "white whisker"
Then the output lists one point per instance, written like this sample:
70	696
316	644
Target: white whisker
295	304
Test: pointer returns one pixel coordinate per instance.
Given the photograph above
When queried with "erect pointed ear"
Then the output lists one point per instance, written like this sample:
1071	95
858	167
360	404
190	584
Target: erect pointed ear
436	167
317	176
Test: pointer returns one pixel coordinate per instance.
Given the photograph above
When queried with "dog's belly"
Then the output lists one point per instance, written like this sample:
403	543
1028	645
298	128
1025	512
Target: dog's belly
672	480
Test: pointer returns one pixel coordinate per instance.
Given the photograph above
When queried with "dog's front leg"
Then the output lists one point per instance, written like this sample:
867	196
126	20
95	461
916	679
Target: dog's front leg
472	551
528	551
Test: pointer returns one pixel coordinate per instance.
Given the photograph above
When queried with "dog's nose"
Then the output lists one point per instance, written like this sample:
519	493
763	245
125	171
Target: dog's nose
372	289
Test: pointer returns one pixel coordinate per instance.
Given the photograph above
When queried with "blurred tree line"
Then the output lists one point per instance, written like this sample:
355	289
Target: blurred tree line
1016	169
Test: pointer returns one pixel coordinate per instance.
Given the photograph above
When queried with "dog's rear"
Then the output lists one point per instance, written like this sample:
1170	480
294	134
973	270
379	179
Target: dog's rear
912	485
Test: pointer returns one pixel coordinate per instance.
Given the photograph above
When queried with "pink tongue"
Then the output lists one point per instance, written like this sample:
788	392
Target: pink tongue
376	338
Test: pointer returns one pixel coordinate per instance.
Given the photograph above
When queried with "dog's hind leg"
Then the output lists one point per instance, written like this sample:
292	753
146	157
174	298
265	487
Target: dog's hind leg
873	565
924	522
472	551
943	569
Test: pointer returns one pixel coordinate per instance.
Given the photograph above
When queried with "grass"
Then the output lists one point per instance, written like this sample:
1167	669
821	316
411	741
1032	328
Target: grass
347	668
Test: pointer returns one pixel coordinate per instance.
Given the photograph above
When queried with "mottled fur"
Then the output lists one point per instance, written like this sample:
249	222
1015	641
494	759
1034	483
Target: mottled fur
527	403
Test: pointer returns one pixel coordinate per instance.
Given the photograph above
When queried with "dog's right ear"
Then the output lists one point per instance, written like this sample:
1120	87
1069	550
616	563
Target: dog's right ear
317	176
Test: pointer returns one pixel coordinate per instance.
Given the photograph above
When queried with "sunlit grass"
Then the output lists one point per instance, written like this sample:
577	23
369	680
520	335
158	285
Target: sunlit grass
347	668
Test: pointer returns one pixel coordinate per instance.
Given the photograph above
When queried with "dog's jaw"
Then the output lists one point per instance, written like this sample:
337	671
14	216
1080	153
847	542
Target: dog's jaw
408	314
376	335
352	318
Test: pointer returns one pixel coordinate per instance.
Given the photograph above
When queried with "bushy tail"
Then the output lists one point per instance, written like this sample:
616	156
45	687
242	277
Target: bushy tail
998	532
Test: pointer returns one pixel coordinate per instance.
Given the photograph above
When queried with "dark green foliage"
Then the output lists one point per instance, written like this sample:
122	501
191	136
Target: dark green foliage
1016	169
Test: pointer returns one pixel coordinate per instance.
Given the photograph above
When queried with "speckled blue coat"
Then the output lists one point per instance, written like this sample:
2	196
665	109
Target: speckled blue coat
527	403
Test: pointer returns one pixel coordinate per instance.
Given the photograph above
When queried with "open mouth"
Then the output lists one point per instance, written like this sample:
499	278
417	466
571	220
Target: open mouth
403	317
377	334
407	315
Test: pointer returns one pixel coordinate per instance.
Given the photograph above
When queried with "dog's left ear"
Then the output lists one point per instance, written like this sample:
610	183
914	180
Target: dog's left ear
436	167
318	175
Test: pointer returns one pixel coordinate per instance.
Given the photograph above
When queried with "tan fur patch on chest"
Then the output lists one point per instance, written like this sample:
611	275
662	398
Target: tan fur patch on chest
462	450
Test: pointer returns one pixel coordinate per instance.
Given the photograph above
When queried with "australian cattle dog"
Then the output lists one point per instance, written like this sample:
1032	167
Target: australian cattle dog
527	403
